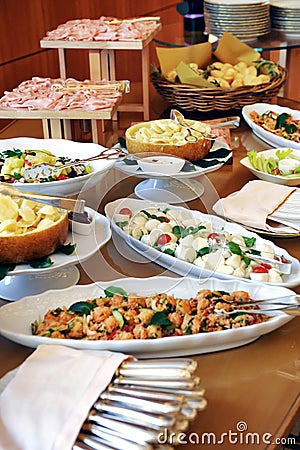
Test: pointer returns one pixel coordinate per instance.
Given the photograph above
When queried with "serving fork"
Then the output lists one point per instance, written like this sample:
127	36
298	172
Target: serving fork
45	170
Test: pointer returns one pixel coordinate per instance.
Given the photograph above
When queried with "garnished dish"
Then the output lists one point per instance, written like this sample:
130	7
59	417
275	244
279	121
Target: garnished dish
283	125
280	165
192	243
278	126
122	316
14	161
175	316
196	241
16	153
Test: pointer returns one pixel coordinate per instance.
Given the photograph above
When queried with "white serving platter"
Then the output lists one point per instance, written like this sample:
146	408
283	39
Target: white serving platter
185	268
16	318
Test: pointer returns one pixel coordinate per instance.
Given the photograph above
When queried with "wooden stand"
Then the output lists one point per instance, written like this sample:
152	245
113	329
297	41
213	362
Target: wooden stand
56	124
102	63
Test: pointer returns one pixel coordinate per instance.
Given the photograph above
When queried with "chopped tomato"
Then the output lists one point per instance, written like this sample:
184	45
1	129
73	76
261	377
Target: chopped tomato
126	211
27	163
260	269
62	177
163	239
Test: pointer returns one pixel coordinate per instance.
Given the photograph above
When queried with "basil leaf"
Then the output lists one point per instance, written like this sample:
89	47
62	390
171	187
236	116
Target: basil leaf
112	290
169	251
67	249
41	263
290	128
234	248
249	242
12	153
255	252
203	251
81	308
281	120
15	175
122	224
247	261
177	229
5	269
160	318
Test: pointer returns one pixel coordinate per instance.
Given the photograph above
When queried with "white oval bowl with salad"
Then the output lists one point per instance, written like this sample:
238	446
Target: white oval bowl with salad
14	151
276	165
277	125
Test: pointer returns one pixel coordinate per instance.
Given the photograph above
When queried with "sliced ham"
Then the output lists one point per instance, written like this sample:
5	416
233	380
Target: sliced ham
101	30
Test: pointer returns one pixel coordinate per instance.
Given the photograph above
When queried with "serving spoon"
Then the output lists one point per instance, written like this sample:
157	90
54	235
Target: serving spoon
179	118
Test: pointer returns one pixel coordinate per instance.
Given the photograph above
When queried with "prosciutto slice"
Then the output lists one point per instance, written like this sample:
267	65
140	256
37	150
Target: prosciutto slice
61	94
104	29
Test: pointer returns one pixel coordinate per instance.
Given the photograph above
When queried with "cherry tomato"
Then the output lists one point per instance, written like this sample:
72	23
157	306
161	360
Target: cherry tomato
266	265
27	163
260	269
212	235
163	239
62	177
126	211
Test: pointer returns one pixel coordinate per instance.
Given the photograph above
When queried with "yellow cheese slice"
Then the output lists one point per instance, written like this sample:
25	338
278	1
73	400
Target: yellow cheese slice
187	75
231	50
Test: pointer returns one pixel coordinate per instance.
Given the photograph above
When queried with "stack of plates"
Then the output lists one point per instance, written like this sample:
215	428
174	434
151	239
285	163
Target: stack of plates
285	17
246	20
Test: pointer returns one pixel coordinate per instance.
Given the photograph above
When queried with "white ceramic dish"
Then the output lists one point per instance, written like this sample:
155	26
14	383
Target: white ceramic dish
182	267
15	318
86	246
267	136
162	165
62	147
278	179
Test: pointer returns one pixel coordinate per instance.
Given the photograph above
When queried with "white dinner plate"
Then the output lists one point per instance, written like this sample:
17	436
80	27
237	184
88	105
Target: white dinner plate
185	268
268	136
16	318
278	179
61	147
86	246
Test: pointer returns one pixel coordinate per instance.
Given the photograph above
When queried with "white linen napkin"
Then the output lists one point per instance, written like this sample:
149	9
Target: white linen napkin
254	203
44	406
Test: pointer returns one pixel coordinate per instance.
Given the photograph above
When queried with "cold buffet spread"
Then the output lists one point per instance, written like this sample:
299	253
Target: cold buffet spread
231	285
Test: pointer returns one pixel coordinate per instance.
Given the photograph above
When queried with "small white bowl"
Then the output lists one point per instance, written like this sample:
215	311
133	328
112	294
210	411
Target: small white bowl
83	227
164	165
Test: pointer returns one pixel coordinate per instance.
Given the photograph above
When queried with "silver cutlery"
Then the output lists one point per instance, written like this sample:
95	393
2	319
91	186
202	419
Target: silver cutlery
292	310
58	202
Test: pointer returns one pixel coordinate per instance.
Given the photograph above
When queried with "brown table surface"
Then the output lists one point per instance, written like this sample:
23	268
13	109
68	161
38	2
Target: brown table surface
258	383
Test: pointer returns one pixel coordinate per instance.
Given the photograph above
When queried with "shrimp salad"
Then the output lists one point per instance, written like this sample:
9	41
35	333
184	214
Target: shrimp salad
122	316
283	125
193	240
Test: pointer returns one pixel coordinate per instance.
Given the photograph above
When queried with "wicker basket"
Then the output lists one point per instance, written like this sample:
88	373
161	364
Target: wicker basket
193	98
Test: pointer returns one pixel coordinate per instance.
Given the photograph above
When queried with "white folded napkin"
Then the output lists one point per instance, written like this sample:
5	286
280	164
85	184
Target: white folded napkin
254	203
44	406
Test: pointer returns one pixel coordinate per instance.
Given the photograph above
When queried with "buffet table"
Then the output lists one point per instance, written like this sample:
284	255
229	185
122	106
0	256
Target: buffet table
253	388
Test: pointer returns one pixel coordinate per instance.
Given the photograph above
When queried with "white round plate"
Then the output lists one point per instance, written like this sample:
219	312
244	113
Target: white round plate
267	136
278	179
185	268
86	246
16	318
61	147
